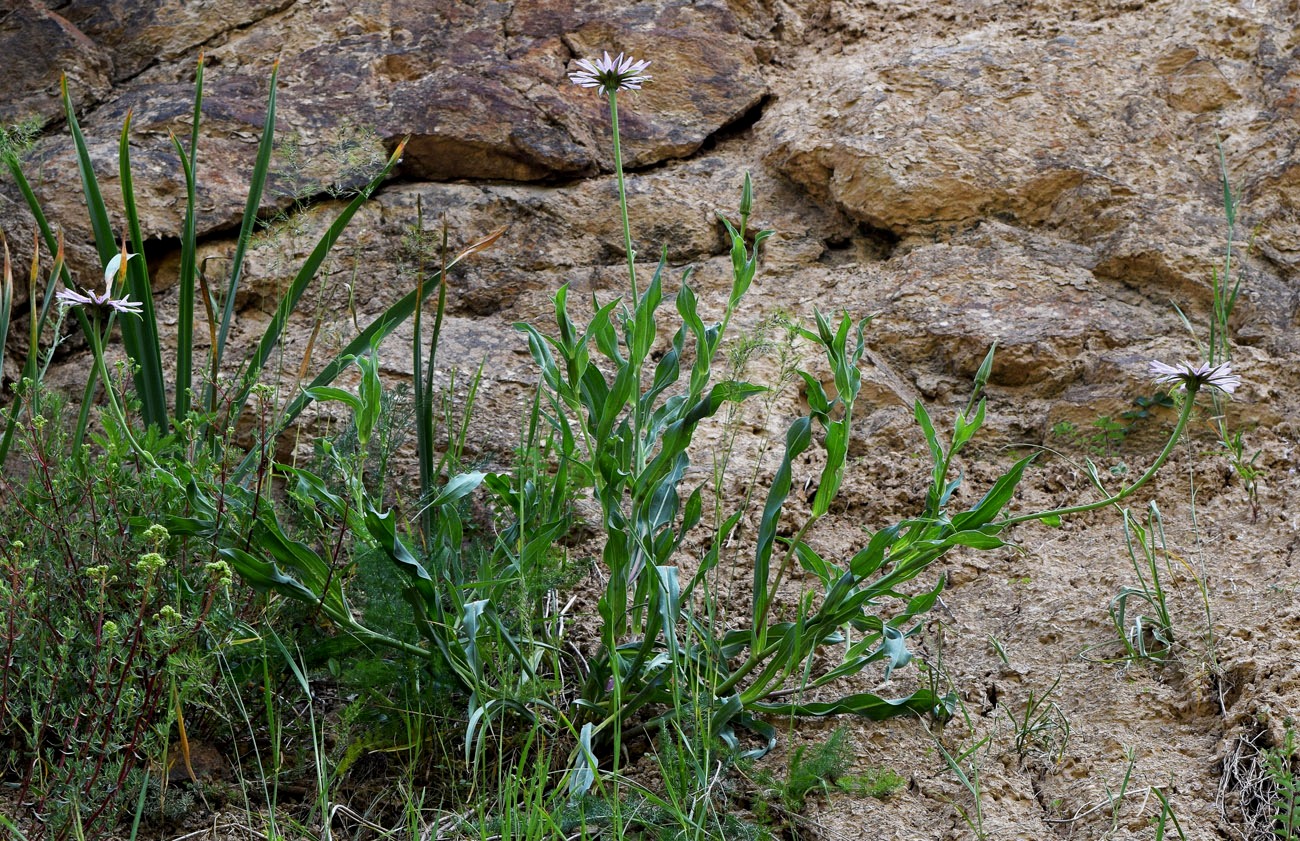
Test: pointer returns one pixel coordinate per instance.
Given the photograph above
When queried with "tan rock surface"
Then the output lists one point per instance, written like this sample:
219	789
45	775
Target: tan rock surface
1040	174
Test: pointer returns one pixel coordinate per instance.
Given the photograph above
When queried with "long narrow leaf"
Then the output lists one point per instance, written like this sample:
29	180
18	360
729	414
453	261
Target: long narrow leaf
864	704
104	243
306	273
6	295
256	185
99	221
140	335
374	333
798	438
189	254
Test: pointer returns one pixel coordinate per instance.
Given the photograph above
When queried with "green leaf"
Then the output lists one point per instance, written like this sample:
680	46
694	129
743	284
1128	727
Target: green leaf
811	561
797	439
325	393
188	276
298	286
375	332
995	499
815	394
256	185
383	528
894	647
583	775
457	487
643	326
931	438
864	704
140	335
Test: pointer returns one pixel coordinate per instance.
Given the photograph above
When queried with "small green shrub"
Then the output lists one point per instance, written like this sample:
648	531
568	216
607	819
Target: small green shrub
102	622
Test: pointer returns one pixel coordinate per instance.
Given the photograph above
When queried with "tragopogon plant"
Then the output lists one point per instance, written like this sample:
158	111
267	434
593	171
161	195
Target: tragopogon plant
141	334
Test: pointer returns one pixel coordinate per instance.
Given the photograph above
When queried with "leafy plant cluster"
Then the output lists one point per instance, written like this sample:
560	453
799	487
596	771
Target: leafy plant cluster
165	551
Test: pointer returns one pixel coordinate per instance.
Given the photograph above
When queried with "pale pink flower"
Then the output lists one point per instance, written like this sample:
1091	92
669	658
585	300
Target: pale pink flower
611	75
106	301
1194	376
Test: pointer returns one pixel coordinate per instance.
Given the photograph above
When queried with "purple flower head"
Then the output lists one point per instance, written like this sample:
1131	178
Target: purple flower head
611	75
102	304
1192	377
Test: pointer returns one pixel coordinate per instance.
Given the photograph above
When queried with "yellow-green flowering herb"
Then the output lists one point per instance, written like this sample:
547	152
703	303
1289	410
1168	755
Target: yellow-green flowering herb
220	572
156	535
150	563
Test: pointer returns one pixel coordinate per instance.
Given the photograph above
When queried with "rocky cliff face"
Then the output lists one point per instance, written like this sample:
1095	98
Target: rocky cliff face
1040	174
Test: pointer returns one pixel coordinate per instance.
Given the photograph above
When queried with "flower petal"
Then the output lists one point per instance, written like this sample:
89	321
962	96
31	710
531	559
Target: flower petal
111	270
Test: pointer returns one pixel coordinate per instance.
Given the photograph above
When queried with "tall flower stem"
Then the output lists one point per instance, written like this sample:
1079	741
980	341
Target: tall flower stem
97	349
637	424
1189	404
622	198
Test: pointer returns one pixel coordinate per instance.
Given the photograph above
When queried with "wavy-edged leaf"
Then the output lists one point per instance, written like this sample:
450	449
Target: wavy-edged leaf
866	704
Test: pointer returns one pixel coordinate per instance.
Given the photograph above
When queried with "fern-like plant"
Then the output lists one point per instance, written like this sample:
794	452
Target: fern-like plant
1279	764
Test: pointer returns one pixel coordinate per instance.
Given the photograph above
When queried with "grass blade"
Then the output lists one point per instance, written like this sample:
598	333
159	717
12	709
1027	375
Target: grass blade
140	335
256	186
374	333
189	255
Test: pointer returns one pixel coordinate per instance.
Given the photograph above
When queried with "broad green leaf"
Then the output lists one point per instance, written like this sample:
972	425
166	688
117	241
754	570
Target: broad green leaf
894	647
324	393
997	497
583	775
931	439
457	487
643	326
815	394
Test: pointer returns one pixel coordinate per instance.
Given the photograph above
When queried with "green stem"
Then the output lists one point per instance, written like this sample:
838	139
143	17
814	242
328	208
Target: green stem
622	199
1189	404
637	421
97	348
757	656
